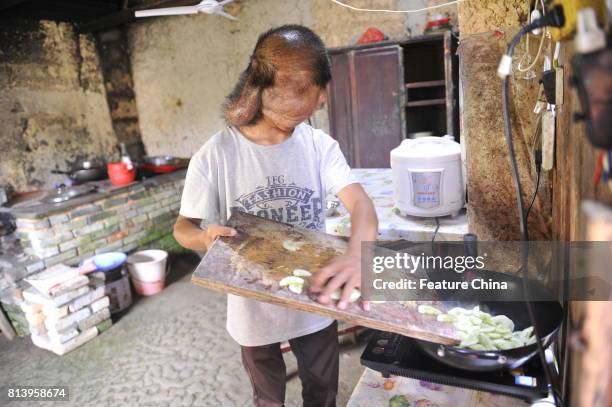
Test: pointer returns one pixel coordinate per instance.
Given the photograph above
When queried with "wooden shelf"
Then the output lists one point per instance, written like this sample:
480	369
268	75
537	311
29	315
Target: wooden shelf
430	102
425	84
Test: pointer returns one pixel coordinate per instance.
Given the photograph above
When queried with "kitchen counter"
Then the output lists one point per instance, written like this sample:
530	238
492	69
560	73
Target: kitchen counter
104	190
373	390
378	183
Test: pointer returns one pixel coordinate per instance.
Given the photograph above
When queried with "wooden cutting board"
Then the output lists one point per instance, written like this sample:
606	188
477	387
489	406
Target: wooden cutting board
251	264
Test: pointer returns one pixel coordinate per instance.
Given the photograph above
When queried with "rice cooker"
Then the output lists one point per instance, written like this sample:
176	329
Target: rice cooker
427	177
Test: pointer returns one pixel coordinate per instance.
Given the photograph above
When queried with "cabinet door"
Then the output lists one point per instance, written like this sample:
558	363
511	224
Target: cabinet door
377	104
339	102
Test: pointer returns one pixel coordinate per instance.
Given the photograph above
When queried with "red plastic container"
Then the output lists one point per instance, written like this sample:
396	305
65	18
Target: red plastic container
119	174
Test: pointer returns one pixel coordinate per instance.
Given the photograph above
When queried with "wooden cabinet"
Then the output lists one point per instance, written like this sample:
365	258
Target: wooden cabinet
382	93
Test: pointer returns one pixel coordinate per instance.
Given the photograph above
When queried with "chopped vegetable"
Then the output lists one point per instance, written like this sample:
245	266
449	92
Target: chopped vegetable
338	293
292	245
479	330
445	318
428	310
296	288
290	280
301	273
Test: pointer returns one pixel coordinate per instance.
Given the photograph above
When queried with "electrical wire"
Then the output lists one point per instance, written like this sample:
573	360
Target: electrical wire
533	198
540	47
524	248
436	230
395	11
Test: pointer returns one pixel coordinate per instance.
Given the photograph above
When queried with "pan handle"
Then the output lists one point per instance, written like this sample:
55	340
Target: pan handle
442	351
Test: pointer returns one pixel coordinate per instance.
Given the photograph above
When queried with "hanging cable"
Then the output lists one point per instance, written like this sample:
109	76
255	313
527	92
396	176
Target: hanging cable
554	18
395	11
540	47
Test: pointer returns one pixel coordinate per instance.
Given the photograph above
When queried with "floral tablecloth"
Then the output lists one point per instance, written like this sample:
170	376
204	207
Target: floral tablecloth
373	390
378	184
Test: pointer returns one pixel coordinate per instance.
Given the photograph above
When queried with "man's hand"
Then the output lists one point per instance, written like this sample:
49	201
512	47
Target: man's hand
345	271
214	231
188	233
342	272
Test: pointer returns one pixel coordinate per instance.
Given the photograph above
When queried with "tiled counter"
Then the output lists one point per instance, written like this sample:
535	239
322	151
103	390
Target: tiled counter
378	184
373	390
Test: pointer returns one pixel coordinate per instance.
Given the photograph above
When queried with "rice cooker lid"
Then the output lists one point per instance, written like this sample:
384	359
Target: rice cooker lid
430	149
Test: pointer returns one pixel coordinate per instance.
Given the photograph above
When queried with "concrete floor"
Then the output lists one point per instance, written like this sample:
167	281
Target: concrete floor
167	350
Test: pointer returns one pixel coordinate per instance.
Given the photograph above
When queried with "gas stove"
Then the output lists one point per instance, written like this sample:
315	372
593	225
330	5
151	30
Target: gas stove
393	354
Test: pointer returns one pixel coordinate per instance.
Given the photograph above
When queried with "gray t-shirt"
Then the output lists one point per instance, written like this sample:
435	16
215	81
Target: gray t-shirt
287	182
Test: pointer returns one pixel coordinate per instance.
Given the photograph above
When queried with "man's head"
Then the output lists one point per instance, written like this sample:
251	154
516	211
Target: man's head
284	81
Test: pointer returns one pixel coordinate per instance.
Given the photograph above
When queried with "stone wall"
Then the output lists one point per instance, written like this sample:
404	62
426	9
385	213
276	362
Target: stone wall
53	106
486	27
184	66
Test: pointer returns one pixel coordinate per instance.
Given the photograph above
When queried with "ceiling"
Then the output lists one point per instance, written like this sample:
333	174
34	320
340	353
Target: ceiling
88	15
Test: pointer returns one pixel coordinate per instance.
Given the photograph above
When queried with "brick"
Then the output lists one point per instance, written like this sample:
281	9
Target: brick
86	299
133	237
69	285
104	233
94	227
42	253
140	218
59	218
35	318
130	247
111	247
117	236
60	258
149	208
91	247
97	305
74	243
94	319
41	244
134	196
112	221
29	224
104	325
26	234
160	196
69	321
55	312
128	214
30	307
109	203
71	226
145	201
63	336
101	216
77	260
34	296
75	342
84	210
34	267
39	329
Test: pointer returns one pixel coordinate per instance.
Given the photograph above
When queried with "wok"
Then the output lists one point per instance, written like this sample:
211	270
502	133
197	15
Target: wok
548	315
84	171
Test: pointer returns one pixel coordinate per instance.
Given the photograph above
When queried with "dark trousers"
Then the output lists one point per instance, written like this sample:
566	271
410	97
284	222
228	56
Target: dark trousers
317	356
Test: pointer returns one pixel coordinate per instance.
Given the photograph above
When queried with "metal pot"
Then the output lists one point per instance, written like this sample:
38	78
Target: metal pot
85	171
548	314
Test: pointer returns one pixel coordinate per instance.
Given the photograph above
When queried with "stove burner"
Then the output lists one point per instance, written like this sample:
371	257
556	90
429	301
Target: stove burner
393	354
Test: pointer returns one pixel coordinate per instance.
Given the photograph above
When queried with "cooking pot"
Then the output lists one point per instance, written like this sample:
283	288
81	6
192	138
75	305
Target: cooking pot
85	171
